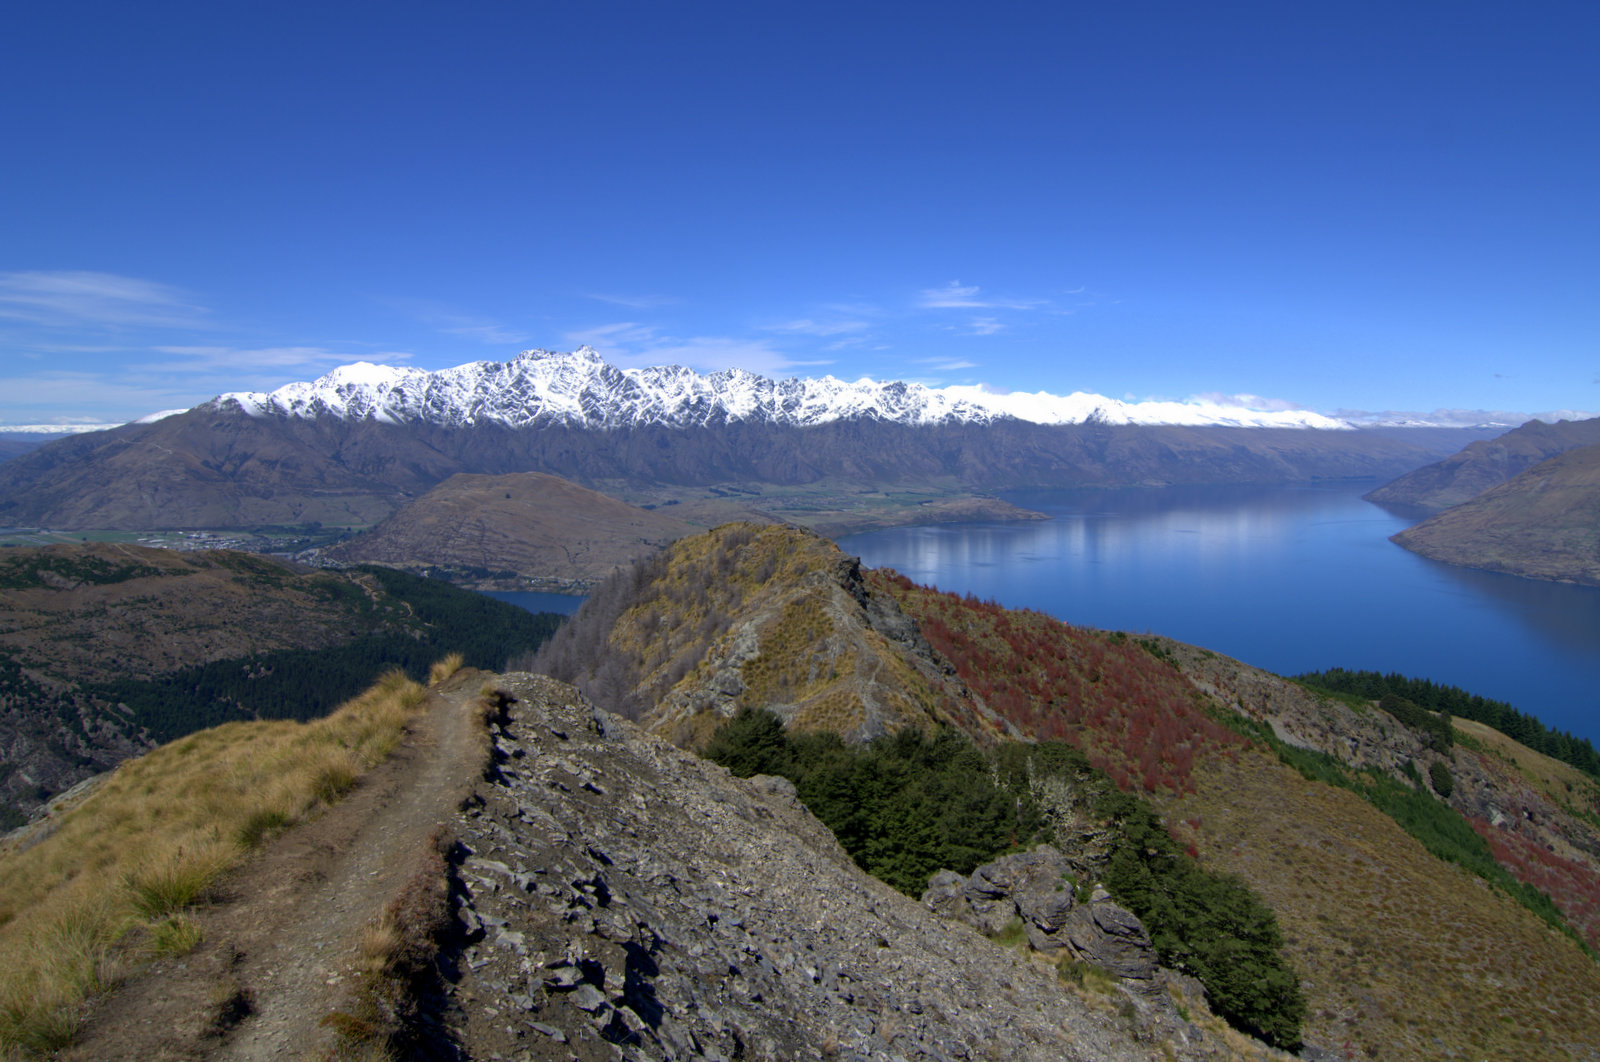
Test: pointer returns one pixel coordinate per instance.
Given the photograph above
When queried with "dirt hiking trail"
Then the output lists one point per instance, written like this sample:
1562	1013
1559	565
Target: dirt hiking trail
282	939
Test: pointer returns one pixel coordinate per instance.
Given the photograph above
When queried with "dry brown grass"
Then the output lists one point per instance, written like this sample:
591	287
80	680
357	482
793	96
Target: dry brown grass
107	889
1402	956
443	669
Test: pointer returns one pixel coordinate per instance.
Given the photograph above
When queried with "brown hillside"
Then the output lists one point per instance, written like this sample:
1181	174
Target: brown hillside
74	616
1484	464
1402	956
1135	715
514	531
1543	524
772	617
218	468
1143	709
1388	938
107	610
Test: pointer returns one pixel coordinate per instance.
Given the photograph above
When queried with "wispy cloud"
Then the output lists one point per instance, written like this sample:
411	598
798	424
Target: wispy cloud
74	298
807	327
253	360
487	332
613	338
958	296
1256	403
985	326
721	352
81	397
634	302
451	321
628	344
947	364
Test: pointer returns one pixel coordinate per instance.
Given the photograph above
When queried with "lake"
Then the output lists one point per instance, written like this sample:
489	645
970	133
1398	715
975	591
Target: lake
1289	579
565	604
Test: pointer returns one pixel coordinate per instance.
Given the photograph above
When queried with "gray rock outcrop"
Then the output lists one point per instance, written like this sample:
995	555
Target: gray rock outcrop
1112	938
624	899
1036	889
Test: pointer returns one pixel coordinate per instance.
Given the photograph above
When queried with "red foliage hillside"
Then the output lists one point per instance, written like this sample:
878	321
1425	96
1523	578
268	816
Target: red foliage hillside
1108	694
1570	885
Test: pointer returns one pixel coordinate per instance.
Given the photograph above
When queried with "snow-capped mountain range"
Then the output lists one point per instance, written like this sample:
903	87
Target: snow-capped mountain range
581	389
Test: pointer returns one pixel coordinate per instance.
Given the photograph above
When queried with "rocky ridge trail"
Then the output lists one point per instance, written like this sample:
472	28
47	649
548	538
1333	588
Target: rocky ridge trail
623	899
281	945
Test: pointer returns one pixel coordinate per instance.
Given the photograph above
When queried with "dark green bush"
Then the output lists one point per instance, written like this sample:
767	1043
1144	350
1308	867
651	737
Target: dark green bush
752	743
1205	923
1579	752
1433	728
910	804
1439	775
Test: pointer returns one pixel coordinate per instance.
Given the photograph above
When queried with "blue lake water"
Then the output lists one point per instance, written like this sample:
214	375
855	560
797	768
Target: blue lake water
1289	579
566	604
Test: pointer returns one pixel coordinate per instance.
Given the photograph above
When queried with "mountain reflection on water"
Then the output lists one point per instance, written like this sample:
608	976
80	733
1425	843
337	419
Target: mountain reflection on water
1289	578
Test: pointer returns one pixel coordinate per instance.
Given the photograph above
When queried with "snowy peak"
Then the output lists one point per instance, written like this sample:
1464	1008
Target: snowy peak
581	389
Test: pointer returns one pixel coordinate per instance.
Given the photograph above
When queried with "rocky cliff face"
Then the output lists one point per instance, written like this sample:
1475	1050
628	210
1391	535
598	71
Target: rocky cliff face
627	900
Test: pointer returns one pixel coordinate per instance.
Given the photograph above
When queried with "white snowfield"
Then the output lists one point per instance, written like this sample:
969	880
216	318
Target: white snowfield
580	389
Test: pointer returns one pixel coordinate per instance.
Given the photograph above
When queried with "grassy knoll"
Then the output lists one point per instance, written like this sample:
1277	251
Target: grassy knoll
111	885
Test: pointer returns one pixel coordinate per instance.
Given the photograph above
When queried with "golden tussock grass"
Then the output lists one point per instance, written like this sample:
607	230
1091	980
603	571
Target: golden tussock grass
444	668
1389	939
110	886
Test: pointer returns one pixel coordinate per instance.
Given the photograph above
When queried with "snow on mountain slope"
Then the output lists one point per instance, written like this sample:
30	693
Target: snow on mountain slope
580	389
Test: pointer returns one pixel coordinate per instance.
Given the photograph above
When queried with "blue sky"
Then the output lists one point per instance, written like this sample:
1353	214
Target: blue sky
1371	206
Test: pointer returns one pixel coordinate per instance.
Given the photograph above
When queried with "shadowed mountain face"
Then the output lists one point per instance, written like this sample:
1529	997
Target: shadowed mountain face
1485	464
17	444
1543	524
220	468
501	531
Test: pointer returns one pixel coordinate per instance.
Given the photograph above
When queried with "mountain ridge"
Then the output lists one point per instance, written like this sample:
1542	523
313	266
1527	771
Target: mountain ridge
1484	464
580	389
1540	524
214	468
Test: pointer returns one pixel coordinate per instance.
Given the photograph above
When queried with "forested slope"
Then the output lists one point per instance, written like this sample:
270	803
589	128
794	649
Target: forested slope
106	649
